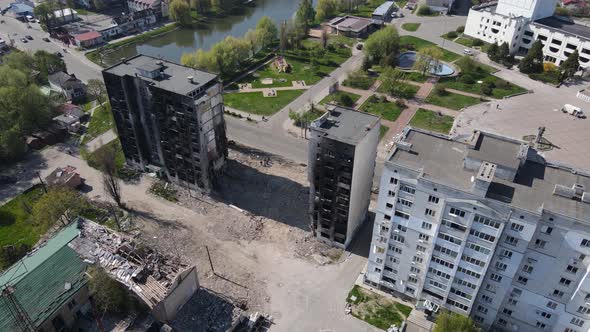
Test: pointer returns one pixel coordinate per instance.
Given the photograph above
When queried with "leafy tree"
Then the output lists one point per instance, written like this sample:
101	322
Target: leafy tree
96	89
200	6
305	15
494	52
326	9
60	204
453	322
252	38
44	11
477	42
452	34
44	62
381	44
180	12
390	78
11	254
460	29
533	61
424	10
570	66
109	295
427	59
267	31
504	54
345	100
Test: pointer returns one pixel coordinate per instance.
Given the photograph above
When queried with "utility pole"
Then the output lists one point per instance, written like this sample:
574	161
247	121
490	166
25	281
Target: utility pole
210	261
42	183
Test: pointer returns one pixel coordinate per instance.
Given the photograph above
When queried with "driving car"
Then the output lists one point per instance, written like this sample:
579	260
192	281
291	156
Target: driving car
24	40
59	54
467	51
45	39
29	37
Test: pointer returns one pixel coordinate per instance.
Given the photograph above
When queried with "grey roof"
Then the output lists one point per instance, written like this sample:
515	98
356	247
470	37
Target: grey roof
383	8
345	124
441	160
496	150
60	78
67	119
175	76
554	23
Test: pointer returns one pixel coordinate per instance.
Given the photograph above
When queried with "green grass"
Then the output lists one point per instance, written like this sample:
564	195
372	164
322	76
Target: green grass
387	110
411	26
335	97
15	225
382	131
432	121
366	9
255	103
415	76
470	42
375	309
91	158
359	80
546	77
82	11
447	37
88	106
100	122
452	100
419	44
408	91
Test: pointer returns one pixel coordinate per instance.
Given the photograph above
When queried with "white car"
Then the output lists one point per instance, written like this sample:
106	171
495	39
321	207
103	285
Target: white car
467	51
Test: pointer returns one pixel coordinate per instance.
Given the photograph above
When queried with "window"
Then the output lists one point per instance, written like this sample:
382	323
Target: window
461	293
443	262
464	283
546	230
522	280
423	237
486	299
496	277
386	217
540	243
449	238
567	329
446	251
389	206
402	215
482	235
401	228
486	221
458	304
502	322
439	273
511	240
501	266
512	302
468	272
414	269
405	202
478	248
420	248
540	325
398	238
378	260
426	225
392	259
433	199
507	312
417	259
551	305
577	322
413	280
527	268
457	212
571	269
407	189
478	319
393	180
583	310
506	253
410	290
472	260
557	293
517	227
585	243
437	284
379	250
397	250
453	225
391	193
565	281
378	270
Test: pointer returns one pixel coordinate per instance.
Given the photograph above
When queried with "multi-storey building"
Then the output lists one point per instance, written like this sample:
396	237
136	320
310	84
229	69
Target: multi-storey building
519	23
342	152
485	228
171	117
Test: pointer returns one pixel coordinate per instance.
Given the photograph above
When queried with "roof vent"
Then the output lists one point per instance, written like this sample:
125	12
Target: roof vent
190	79
586	197
160	63
404	146
563	191
578	188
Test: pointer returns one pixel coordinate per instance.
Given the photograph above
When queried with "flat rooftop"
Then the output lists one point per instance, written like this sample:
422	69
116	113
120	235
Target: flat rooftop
383	8
174	77
345	124
441	160
554	23
351	23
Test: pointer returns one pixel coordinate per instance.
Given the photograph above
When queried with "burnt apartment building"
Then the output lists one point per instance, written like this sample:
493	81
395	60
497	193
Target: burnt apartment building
342	152
169	119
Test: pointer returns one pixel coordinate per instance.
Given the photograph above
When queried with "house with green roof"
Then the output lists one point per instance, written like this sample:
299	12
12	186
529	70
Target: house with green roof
49	285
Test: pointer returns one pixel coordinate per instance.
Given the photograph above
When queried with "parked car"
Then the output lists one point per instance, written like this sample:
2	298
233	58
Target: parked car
24	40
467	51
29	37
359	46
59	54
45	39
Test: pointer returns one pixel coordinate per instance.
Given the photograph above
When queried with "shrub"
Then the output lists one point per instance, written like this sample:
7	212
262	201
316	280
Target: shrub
440	91
345	100
501	84
400	103
460	29
424	10
549	67
452	35
467	79
487	88
478	42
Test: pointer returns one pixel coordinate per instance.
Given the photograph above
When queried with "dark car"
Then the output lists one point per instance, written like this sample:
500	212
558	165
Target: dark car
359	46
45	39
59	54
24	40
29	37
4	179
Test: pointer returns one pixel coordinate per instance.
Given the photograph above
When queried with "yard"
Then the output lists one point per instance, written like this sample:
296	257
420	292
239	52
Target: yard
432	121
15	225
375	309
418	44
401	90
255	103
341	98
359	80
411	26
452	100
385	109
100	122
366	9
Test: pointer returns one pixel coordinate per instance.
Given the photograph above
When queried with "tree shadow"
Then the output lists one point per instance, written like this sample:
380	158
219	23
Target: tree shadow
25	172
148	216
206	311
6	218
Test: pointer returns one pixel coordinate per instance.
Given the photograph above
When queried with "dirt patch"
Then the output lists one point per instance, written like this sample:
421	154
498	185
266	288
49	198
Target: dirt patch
375	309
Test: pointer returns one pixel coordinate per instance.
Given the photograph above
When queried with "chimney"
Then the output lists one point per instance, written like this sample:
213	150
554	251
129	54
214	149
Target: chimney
190	79
483	178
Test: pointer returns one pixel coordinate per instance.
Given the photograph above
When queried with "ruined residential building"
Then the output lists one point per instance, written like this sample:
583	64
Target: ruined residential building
486	228
169	118
342	152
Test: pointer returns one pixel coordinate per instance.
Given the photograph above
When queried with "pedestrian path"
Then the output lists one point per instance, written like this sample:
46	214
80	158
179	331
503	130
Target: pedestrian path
101	140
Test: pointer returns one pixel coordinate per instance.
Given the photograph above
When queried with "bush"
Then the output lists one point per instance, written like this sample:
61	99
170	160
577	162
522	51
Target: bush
501	84
400	103
424	10
440	91
467	79
460	29
487	88
345	100
477	42
452	35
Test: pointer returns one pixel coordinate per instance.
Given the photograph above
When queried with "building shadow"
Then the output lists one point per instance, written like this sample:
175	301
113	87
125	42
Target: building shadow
266	195
461	7
206	311
361	244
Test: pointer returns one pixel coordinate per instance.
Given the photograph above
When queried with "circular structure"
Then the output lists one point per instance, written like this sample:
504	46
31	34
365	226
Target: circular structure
407	60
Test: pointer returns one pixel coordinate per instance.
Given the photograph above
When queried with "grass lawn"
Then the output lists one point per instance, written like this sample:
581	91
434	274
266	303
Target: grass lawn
447	37
382	131
91	158
415	76
366	9
255	103
100	122
387	110
359	80
406	90
470	42
15	226
432	121
411	26
419	44
452	100
376	309
335	98
546	77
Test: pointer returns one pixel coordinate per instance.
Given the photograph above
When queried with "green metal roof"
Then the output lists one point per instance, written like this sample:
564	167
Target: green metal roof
45	279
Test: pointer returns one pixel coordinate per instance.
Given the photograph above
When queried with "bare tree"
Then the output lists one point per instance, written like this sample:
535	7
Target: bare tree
96	89
107	164
113	212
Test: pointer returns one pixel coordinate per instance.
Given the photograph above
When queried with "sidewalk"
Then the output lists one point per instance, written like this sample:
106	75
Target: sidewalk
101	140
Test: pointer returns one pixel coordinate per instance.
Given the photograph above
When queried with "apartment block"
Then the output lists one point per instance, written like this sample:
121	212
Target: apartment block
484	227
342	151
169	119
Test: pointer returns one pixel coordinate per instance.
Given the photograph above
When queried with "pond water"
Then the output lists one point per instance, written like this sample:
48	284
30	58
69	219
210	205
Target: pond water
172	45
407	60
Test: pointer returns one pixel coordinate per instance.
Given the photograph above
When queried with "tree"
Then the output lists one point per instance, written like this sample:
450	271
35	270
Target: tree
493	52
390	78
453	322
105	159
428	59
324	38
533	61
48	63
252	38
424	10
108	295
504	54
460	29
326	9
305	15
381	44
283	38
44	11
180	12
60	204
345	100
201	6
11	254
570	66
267	31
96	89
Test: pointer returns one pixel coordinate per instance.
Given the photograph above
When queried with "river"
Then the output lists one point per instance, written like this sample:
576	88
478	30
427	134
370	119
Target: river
172	45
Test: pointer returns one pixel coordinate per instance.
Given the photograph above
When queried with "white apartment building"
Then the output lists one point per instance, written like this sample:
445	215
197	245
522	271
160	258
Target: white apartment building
485	228
342	151
519	23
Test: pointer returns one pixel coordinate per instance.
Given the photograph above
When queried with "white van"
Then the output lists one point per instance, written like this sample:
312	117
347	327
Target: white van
467	51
